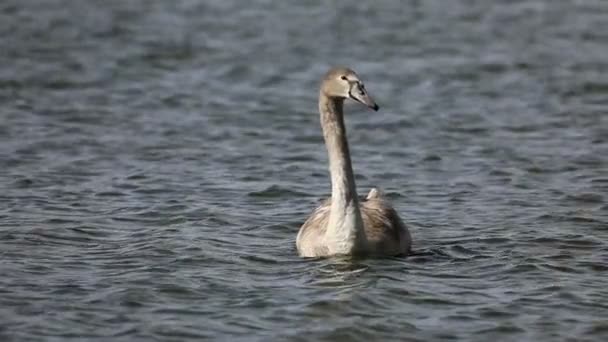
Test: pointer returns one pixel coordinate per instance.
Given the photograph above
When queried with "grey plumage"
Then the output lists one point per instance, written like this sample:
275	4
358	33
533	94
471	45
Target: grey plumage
386	234
345	224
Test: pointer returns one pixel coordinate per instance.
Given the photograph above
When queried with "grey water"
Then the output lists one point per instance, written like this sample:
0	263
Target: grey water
158	157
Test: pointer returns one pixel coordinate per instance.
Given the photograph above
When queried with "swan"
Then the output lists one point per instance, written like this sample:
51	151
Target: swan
344	224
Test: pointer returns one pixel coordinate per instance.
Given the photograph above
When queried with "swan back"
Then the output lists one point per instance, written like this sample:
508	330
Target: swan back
385	233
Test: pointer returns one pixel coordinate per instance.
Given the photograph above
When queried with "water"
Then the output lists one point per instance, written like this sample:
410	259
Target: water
158	157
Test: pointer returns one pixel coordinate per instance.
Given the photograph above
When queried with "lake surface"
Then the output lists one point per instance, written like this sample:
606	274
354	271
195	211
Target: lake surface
158	157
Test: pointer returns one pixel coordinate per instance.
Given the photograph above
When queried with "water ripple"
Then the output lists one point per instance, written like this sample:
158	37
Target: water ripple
159	158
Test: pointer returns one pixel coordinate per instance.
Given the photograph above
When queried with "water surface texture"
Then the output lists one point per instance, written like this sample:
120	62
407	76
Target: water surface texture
158	157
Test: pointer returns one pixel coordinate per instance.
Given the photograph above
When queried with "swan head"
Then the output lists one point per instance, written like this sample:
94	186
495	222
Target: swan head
344	83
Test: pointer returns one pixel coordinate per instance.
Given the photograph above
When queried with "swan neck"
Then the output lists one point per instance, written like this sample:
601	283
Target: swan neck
345	233
343	189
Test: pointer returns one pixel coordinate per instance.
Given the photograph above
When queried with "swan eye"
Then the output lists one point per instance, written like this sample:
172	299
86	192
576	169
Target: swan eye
344	78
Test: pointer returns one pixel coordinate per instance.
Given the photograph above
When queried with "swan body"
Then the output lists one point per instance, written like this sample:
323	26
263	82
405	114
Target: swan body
344	224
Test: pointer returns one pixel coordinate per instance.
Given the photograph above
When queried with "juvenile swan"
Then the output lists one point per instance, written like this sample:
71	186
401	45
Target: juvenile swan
344	225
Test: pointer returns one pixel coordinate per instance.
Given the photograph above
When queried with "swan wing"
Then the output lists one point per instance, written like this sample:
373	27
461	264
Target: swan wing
385	231
309	240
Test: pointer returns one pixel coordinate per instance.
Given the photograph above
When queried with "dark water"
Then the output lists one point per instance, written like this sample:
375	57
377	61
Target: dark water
158	157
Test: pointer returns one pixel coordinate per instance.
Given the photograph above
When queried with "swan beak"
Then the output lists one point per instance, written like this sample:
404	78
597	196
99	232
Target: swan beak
359	94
